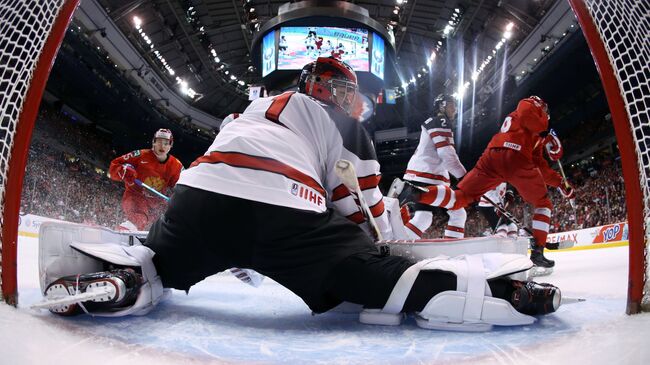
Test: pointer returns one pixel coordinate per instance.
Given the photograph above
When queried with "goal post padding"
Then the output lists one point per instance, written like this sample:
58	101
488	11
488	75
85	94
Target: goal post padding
30	35
616	32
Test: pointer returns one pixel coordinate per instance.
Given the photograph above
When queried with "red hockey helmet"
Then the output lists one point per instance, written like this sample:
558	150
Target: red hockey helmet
163	134
538	102
331	81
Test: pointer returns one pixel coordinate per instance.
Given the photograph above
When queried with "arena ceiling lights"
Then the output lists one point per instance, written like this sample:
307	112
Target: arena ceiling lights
183	86
507	34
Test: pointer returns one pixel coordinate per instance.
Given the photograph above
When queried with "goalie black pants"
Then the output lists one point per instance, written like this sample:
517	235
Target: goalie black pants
324	258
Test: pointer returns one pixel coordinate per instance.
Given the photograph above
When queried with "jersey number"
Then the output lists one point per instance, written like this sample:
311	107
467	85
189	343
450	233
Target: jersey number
506	125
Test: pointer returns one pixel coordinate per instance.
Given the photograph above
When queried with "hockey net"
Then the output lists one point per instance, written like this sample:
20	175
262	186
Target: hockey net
30	34
617	34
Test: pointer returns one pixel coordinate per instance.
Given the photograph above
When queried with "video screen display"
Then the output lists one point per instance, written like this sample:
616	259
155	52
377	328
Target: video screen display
300	45
268	53
378	55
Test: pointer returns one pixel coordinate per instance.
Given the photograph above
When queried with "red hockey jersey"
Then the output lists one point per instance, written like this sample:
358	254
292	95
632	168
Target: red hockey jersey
520	130
159	175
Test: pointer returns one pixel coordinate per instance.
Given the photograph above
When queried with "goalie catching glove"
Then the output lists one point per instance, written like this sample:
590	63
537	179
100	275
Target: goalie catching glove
128	174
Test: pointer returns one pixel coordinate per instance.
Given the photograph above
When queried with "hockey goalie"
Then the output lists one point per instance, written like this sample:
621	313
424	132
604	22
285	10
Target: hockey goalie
266	196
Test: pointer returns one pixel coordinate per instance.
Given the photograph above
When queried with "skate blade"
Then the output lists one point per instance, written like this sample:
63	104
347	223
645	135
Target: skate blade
537	271
59	301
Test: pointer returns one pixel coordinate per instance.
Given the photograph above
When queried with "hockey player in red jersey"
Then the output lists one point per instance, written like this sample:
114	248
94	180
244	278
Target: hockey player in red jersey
433	161
265	196
154	167
515	155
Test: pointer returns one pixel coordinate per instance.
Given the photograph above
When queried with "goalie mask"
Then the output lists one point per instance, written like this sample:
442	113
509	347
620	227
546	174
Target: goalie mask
330	81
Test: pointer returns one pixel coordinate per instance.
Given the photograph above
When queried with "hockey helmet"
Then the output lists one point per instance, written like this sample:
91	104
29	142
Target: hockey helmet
440	102
331	81
163	134
538	102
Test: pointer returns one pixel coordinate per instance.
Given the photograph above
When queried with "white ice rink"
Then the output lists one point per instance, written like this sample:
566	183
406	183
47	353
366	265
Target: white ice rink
223	321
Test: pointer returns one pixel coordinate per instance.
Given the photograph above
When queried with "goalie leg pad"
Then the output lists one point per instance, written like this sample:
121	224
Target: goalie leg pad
470	307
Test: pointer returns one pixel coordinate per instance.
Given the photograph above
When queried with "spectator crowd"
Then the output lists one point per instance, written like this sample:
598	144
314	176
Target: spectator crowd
66	178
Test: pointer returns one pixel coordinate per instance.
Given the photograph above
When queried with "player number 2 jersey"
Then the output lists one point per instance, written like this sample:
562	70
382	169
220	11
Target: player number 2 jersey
435	156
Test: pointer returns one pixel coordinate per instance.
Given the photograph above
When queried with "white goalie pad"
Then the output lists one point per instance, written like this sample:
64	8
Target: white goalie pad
470	307
69	249
57	259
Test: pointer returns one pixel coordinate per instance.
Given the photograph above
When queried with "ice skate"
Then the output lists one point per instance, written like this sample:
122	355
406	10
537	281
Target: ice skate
104	291
543	266
405	191
535	298
395	188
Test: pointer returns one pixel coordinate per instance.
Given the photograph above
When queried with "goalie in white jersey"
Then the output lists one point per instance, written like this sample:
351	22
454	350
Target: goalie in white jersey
265	197
434	159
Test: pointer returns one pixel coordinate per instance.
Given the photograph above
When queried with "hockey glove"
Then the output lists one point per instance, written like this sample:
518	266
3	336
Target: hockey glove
553	147
568	192
128	174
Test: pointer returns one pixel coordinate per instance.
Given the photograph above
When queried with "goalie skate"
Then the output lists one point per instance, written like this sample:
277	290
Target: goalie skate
102	291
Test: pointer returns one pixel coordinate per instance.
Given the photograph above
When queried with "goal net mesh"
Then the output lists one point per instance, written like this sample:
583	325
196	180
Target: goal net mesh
24	28
624	28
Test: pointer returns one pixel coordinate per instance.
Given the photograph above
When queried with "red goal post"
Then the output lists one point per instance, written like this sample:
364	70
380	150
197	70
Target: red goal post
31	32
617	34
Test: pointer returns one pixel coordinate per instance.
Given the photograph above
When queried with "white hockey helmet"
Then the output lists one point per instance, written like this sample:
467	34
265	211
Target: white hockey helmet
164	133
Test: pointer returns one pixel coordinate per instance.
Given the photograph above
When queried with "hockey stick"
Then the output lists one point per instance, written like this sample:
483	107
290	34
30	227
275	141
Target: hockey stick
159	194
344	169
505	206
549	245
572	202
507	215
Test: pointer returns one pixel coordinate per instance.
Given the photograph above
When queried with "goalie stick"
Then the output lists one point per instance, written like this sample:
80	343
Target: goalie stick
156	192
549	245
344	169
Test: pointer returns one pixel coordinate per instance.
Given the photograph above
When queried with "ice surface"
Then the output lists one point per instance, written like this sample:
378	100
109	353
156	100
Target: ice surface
225	321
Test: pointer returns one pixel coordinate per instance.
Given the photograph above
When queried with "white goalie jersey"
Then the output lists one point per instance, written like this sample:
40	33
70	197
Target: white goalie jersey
282	150
435	156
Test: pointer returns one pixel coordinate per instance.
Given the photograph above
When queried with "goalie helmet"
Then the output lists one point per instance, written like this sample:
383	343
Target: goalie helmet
538	102
163	134
441	101
331	81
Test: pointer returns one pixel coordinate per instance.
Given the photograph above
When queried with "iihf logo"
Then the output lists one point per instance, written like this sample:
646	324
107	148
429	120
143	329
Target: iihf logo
307	194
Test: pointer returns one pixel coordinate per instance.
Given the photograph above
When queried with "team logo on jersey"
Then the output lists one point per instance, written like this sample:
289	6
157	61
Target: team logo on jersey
155	182
307	194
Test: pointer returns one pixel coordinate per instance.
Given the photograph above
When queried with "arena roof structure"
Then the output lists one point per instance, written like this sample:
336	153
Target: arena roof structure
201	49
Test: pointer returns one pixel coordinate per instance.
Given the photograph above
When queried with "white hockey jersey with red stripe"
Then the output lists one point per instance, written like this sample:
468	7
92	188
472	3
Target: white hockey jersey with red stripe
282	150
435	156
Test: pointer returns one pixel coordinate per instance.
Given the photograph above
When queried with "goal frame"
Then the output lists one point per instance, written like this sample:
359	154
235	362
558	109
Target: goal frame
19	151
634	195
